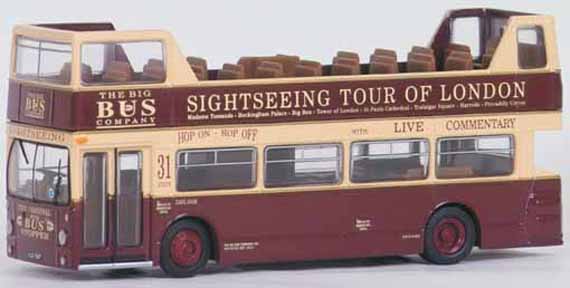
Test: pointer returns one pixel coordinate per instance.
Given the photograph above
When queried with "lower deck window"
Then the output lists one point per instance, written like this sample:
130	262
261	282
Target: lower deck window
302	165
482	156
389	160
206	169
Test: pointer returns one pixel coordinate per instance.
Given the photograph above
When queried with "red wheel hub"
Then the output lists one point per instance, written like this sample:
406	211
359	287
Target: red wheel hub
449	236
186	248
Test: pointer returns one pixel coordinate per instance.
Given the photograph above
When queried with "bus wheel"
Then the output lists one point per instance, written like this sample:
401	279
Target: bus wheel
449	236
185	249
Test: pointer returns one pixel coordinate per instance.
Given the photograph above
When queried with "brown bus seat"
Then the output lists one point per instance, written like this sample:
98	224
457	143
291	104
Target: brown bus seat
154	70
382	64
344	69
86	73
420	62
455	172
199	66
423	50
287	62
345	65
345	60
192	60
307	68
385	52
118	71
348	54
310	63
458	60
456	47
200	72
269	69
229	75
65	73
231	71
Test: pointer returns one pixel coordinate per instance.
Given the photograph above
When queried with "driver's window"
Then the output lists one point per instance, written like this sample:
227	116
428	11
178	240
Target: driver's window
122	63
466	31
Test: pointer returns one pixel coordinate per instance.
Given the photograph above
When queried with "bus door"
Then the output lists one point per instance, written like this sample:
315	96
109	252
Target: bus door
115	215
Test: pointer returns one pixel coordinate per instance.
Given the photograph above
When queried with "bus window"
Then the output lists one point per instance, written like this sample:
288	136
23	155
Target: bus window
94	200
475	156
531	49
389	160
122	63
39	172
302	165
129	198
43	61
205	169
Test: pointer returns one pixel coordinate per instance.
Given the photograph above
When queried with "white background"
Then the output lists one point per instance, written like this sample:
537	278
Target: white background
222	31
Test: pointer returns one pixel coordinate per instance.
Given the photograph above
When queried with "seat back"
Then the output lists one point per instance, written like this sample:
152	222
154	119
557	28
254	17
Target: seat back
420	62
386	52
382	64
269	69
307	68
346	63
118	71
199	66
154	70
458	60
231	71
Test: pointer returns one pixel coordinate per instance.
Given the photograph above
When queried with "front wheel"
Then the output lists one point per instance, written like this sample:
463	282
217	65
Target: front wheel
449	236
185	249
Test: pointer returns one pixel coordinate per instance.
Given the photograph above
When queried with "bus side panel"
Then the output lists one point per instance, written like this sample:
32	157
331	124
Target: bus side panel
266	227
387	221
294	226
544	213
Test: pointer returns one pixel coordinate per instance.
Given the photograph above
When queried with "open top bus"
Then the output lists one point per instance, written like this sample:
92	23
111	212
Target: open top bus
125	153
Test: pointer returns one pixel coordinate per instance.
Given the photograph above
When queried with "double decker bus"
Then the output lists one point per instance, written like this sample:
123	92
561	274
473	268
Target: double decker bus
125	153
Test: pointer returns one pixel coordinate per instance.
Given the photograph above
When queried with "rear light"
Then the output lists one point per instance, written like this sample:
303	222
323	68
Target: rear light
62	261
62	237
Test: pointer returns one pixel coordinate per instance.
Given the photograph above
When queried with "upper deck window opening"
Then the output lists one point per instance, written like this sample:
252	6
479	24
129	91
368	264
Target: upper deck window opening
208	169
303	165
466	31
44	61
122	63
531	48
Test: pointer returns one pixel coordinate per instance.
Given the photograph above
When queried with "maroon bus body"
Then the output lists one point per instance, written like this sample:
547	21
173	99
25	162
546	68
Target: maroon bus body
317	225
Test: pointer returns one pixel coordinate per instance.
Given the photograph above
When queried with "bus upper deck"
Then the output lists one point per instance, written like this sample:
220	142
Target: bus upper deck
88	76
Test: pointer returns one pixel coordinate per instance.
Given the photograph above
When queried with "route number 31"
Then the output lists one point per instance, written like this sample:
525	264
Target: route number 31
163	171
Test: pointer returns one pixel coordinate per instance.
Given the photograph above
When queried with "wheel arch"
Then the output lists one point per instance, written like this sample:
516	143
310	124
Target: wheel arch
467	209
210	228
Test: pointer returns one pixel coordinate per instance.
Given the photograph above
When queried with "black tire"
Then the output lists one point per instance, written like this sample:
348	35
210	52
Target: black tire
458	251
169	265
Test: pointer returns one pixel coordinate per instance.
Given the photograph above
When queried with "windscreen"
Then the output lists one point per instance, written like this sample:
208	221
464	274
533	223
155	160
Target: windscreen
39	172
43	61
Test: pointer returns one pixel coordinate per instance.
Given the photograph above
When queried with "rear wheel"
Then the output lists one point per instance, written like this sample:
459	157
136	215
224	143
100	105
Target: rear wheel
185	249
449	236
